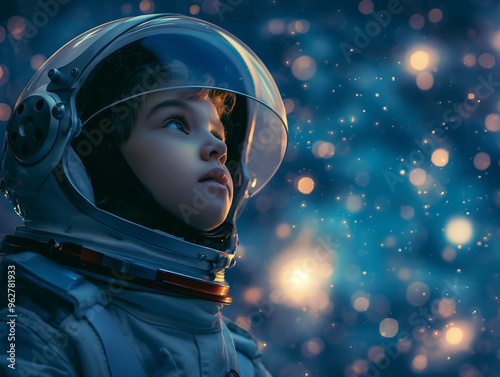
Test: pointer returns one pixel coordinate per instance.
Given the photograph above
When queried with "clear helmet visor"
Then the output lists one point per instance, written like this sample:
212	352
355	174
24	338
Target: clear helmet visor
187	56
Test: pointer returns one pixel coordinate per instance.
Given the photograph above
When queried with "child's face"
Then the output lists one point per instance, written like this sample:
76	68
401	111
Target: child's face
174	145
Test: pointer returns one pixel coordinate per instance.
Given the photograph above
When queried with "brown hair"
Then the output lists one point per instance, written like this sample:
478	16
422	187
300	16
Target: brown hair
149	78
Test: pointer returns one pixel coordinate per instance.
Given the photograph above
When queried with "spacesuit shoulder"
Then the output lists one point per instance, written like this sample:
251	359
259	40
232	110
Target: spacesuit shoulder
247	351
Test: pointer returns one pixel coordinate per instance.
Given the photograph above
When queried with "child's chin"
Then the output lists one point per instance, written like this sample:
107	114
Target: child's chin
208	221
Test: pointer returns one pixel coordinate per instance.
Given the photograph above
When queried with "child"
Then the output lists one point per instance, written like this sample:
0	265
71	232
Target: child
129	156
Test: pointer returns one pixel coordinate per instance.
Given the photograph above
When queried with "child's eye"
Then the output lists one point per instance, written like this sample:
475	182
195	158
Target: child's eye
175	124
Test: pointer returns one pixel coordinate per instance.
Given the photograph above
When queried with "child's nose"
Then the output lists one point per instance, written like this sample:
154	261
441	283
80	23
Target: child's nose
214	148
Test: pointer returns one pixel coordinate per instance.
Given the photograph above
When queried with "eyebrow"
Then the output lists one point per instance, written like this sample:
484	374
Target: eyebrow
185	106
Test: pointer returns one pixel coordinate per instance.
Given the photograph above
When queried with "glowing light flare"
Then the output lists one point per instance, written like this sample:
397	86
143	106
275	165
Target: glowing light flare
457	336
388	327
454	336
302	273
419	60
305	185
459	230
304	67
492	122
421	57
440	157
482	161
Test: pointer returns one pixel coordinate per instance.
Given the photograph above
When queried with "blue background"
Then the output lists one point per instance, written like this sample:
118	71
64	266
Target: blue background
368	274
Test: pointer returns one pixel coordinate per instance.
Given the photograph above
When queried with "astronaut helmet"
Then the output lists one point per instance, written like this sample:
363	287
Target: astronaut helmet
84	164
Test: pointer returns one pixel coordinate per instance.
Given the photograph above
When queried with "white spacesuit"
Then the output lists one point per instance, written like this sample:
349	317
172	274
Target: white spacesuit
129	156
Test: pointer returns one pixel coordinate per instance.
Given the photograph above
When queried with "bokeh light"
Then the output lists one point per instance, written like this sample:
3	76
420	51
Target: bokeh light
425	80
4	112
283	231
459	230
147	6
323	149
446	307
388	327
482	161
486	60
305	185
435	15
417	294
194	9
276	26
302	26
407	212
492	122
418	176
304	68
417	21
470	60
454	335
354	203
440	157
37	61
419	60
419	362
366	6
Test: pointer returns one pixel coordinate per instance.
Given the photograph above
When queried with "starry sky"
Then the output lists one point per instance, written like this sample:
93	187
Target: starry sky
374	251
